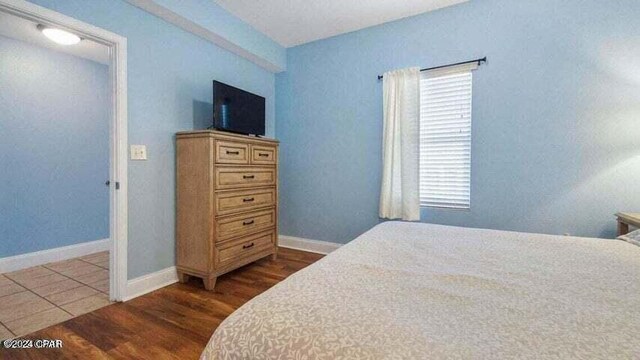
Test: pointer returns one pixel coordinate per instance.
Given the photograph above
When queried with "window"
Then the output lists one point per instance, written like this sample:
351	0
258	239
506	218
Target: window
445	137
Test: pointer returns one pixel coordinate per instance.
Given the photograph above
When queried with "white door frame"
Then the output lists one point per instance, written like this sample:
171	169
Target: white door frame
118	128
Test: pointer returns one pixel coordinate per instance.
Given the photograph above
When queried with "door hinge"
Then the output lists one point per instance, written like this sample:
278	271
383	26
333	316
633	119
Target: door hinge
117	184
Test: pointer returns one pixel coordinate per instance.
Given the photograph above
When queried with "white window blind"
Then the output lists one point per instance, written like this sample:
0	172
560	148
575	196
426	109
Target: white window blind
445	137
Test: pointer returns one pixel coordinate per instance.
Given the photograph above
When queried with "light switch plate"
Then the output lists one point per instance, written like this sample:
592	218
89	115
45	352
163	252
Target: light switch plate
138	152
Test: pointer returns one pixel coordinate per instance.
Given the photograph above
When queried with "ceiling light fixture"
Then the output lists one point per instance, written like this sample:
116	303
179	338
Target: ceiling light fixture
59	36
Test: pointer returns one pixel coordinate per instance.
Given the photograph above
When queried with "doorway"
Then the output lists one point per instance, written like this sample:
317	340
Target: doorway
84	263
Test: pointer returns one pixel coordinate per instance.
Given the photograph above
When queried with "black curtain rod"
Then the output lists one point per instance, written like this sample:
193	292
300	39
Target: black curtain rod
479	61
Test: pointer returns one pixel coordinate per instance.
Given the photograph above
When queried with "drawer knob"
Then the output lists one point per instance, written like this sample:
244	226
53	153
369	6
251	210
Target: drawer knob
263	154
248	246
233	152
248	176
248	200
245	223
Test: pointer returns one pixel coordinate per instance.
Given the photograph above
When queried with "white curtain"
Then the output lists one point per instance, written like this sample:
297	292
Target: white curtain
400	195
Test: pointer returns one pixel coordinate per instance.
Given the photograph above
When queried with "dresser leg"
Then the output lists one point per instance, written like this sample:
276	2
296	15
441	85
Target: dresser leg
623	229
209	283
182	277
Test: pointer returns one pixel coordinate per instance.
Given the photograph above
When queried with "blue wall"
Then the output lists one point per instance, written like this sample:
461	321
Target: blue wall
556	117
54	149
211	16
169	73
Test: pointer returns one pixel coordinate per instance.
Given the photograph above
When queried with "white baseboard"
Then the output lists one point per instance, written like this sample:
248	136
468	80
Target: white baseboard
23	261
154	281
314	246
150	282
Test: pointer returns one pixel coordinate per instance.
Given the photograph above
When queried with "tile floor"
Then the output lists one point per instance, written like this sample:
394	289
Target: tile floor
34	298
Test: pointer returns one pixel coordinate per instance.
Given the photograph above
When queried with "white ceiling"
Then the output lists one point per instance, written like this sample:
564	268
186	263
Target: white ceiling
295	22
18	28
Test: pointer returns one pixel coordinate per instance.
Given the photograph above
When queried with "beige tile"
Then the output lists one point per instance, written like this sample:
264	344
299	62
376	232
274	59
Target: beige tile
29	273
102	254
5	333
102	285
15	299
5	280
56	287
86	305
93	277
72	295
104	264
97	257
10	288
82	269
35	322
22	304
34	282
65	265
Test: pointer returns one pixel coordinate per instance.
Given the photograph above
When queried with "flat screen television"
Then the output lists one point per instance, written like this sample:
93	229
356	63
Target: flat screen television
236	110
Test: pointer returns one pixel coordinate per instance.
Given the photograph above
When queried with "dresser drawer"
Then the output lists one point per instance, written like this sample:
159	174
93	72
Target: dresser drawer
230	152
240	225
247	246
245	200
263	155
242	177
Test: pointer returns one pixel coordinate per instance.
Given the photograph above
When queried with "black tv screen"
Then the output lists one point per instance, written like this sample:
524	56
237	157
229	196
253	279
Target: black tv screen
237	110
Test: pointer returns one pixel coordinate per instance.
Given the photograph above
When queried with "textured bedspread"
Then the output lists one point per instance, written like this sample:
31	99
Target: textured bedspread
419	291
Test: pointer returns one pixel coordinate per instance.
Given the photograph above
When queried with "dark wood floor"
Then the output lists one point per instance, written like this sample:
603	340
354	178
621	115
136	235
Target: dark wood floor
174	322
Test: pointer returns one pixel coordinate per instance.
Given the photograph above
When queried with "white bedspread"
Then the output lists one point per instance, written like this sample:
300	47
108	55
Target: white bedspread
420	291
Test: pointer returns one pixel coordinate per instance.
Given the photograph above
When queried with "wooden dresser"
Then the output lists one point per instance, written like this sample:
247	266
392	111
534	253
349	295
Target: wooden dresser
227	202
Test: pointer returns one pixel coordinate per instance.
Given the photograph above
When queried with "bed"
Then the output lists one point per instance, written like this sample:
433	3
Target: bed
422	291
